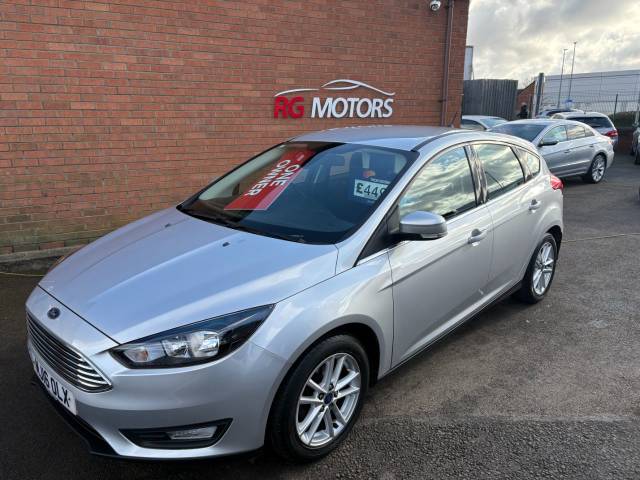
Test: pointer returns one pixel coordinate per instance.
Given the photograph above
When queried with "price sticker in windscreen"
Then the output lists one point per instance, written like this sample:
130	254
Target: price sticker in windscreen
368	189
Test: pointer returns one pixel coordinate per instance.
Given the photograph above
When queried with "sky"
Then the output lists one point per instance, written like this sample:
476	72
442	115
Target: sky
517	39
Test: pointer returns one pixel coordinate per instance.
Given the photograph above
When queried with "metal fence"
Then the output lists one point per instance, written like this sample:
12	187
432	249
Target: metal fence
616	94
613	104
490	97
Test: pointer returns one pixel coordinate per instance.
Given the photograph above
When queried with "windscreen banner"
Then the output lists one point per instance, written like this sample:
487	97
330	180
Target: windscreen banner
261	195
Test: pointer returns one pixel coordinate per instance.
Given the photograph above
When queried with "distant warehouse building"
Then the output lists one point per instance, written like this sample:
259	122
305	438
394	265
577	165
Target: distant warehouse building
111	110
604	92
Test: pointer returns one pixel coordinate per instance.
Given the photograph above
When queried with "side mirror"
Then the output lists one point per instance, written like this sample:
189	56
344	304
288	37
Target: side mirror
547	143
423	226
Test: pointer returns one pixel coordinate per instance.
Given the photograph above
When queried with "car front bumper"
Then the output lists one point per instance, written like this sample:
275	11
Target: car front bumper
239	388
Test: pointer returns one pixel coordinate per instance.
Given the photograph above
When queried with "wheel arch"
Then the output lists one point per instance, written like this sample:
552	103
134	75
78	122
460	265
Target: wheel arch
361	332
556	231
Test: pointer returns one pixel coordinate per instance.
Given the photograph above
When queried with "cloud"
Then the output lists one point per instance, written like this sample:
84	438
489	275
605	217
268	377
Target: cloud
519	38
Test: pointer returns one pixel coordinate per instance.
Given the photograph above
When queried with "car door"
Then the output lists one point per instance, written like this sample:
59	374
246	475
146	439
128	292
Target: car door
437	282
583	147
513	208
557	155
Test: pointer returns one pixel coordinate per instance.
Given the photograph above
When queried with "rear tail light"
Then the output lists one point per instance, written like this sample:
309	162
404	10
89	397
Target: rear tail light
556	183
612	133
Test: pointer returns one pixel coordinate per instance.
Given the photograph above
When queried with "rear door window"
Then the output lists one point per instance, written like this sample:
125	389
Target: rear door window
559	134
575	132
502	168
531	161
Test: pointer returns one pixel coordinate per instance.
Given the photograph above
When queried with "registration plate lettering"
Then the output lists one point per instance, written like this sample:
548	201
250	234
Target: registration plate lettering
54	387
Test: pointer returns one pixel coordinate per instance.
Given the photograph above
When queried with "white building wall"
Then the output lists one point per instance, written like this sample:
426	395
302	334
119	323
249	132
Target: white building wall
468	63
594	91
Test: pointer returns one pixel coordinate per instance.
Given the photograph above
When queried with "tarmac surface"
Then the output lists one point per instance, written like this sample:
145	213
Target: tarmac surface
544	391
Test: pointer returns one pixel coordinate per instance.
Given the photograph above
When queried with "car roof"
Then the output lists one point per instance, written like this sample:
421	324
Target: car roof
481	117
546	122
534	121
405	137
582	114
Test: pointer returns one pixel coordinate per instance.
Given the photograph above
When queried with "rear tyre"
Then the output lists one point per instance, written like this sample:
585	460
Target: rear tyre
596	170
540	272
320	400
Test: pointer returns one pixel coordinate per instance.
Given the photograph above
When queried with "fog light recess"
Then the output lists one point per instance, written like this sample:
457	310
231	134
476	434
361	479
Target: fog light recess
186	436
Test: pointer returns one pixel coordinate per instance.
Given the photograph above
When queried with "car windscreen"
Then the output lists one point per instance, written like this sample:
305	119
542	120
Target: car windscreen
310	192
527	131
492	122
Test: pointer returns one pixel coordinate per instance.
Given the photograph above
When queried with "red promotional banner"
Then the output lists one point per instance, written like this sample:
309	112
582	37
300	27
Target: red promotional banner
269	187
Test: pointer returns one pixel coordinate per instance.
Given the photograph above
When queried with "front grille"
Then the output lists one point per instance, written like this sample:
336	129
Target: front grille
66	362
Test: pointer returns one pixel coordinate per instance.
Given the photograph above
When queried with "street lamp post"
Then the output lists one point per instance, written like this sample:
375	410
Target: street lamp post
572	64
564	51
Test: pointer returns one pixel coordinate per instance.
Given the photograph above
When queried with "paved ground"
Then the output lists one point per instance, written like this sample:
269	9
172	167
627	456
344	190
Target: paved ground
548	391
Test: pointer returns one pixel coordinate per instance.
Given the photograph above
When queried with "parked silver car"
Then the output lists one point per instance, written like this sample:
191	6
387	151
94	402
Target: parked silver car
596	120
480	122
569	147
548	113
263	308
635	141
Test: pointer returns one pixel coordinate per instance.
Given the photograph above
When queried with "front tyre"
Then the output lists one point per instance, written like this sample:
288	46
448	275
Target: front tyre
320	400
540	272
596	170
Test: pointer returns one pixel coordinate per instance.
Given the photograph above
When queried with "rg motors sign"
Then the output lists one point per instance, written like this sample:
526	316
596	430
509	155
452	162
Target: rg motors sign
290	104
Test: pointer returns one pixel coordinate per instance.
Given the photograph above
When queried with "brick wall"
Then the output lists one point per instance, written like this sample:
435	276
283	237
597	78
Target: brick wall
112	110
525	96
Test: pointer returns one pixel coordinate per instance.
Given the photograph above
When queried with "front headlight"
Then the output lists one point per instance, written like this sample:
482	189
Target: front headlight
195	343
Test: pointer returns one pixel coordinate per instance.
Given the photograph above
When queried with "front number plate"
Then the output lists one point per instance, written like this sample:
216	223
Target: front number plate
54	386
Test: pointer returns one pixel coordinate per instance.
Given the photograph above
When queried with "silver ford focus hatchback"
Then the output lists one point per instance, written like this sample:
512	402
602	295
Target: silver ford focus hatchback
261	309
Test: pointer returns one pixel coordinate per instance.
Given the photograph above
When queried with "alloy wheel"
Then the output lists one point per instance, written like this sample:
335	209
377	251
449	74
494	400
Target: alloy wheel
597	171
328	400
543	268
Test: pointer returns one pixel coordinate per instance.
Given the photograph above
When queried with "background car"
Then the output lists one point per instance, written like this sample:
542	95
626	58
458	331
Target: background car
569	147
596	120
480	122
548	113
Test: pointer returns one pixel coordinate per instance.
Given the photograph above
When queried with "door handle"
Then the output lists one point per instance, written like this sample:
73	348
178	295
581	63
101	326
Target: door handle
535	205
477	235
567	151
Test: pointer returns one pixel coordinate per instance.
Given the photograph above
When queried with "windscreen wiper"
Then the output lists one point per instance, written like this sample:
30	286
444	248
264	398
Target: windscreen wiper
221	220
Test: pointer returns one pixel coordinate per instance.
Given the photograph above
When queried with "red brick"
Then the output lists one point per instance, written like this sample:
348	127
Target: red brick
109	111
